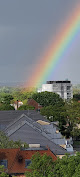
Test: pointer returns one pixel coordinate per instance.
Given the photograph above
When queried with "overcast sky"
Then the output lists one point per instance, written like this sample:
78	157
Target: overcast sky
26	29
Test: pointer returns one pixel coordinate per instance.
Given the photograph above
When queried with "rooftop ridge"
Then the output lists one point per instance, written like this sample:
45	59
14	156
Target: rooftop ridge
29	122
10	132
14	121
36	127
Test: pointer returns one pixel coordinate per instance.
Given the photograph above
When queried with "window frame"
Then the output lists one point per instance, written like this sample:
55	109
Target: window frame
4	162
27	160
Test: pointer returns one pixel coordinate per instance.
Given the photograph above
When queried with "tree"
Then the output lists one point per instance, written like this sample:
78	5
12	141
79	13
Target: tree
6	107
75	133
26	107
73	111
68	115
77	171
73	117
40	166
47	99
22	94
5	102
76	96
2	172
67	166
44	166
55	113
7	99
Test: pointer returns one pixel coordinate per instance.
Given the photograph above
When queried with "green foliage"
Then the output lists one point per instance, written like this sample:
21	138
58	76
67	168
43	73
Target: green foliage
44	166
16	92
76	89
10	95
6	107
7	99
77	171
54	113
22	94
5	143
41	166
54	108
76	97
75	133
68	115
26	107
2	172
67	166
73	111
73	118
47	99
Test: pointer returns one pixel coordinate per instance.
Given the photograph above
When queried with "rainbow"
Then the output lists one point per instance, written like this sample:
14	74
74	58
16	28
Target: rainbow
57	50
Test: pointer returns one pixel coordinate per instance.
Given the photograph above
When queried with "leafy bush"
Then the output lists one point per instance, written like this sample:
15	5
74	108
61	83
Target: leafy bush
26	107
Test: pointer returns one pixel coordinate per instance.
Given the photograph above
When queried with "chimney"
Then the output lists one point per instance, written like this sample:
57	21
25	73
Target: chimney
17	104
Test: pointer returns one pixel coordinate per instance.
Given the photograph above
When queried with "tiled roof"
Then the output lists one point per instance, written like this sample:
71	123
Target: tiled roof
31	132
7	116
16	158
22	125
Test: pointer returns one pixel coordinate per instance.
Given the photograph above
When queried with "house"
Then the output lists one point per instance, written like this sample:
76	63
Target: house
63	88
33	103
17	104
16	161
32	128
6	117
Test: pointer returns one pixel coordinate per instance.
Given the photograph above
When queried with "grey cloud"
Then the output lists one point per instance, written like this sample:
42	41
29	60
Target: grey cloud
27	28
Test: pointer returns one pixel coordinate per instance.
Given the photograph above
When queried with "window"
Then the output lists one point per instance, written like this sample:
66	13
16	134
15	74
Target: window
68	88
3	162
68	94
27	162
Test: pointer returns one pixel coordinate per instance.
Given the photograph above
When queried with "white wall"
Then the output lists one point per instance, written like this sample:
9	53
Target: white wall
47	87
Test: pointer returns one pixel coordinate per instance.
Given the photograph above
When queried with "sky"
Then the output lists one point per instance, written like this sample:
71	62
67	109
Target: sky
27	28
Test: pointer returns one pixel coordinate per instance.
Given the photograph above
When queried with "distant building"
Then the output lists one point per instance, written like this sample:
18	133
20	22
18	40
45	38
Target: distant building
33	103
63	88
17	104
32	128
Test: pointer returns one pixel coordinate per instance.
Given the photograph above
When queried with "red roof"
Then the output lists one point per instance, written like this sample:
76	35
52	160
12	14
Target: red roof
33	103
16	158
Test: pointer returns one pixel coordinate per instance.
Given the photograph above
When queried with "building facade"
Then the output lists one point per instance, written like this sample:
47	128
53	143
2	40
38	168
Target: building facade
63	88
